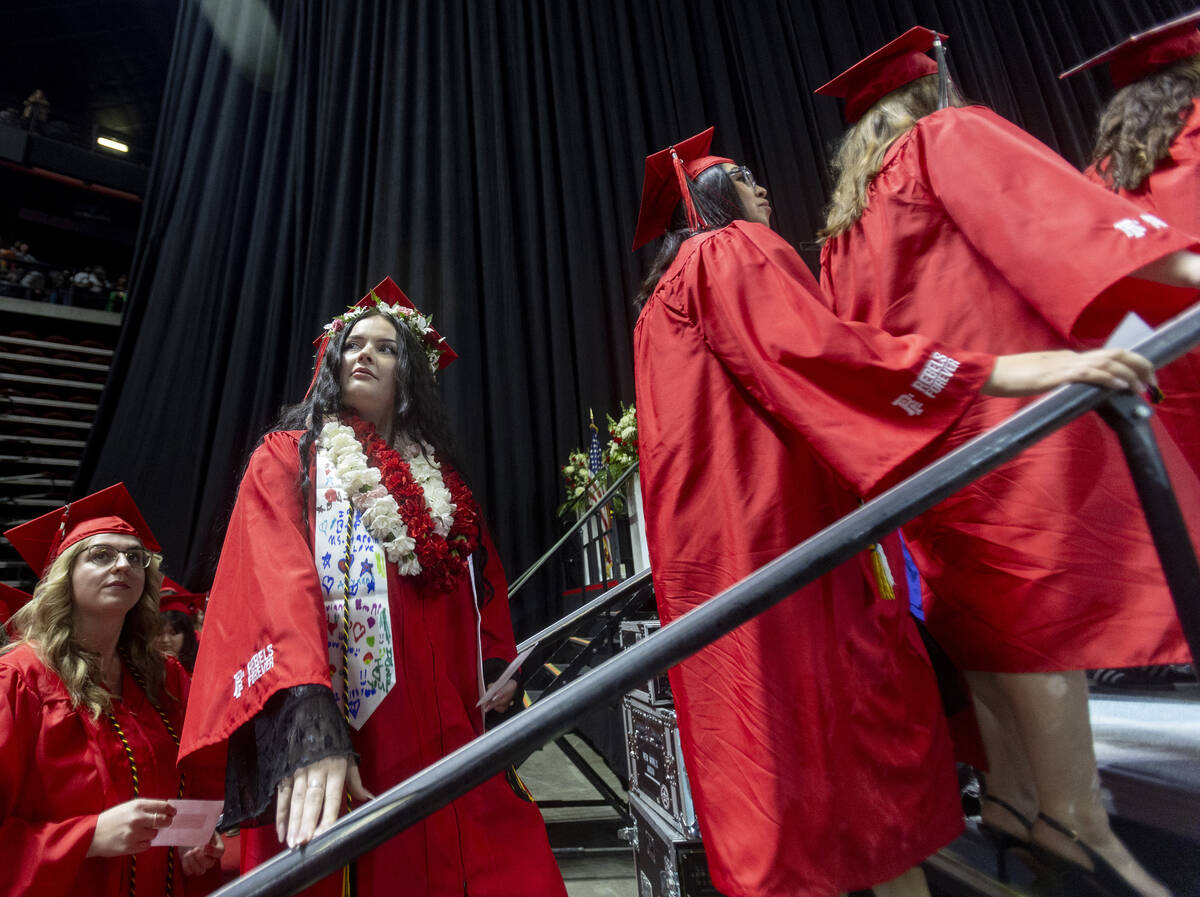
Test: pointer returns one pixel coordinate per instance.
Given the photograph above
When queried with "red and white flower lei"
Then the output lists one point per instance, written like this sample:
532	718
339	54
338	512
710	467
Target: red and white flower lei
419	509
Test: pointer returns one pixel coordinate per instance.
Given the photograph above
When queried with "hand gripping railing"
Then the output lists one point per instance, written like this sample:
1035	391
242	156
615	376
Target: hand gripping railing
475	762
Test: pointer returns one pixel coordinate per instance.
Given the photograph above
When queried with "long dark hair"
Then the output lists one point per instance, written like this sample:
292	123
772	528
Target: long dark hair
418	412
716	199
180	622
1140	121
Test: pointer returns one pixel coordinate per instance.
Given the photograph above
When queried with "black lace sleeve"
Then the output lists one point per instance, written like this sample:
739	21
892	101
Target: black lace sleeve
296	727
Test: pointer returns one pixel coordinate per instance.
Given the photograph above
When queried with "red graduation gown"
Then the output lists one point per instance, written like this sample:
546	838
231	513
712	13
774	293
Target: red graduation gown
813	735
1172	192
266	591
59	770
979	235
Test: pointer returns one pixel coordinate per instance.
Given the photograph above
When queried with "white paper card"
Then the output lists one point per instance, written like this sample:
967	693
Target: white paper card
192	825
1131	331
507	675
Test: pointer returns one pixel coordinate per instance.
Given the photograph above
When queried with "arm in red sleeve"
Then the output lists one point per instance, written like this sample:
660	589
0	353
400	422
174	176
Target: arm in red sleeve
866	401
498	642
265	606
1064	243
38	856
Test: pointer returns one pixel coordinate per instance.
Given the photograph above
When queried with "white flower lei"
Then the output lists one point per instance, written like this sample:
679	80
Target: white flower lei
380	513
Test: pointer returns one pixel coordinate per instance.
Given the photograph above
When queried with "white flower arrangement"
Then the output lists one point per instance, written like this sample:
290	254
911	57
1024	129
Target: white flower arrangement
621	452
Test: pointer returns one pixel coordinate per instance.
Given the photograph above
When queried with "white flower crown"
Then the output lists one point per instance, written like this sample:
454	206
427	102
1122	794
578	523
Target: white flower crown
420	325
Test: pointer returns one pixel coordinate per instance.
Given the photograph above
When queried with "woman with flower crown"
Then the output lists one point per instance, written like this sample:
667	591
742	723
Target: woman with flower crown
358	611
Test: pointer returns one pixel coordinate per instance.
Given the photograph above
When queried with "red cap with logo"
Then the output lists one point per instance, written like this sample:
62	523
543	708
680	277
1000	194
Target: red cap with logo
1144	54
110	510
665	183
891	66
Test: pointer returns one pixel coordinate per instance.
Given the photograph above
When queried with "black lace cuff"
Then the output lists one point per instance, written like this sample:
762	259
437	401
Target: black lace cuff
296	727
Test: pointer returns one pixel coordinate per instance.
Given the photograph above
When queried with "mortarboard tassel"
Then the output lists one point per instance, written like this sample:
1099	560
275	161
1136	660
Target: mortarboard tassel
695	222
943	73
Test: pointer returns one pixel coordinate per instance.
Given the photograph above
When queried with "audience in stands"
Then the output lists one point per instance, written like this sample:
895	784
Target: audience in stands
22	276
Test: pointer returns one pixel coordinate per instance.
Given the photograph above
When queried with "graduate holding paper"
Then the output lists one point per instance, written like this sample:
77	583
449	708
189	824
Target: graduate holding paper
90	716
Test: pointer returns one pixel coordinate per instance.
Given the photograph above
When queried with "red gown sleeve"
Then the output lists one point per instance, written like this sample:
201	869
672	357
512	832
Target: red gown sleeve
264	629
497	637
1065	245
38	856
866	401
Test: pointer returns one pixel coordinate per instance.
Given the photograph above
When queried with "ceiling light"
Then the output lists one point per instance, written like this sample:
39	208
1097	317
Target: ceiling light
111	144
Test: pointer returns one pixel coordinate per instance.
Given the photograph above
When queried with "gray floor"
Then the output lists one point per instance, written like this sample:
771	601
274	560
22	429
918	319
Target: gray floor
550	776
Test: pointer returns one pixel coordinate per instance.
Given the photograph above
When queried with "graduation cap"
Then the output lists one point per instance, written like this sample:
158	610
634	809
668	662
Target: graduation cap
110	510
1143	54
389	299
173	596
666	181
11	600
891	66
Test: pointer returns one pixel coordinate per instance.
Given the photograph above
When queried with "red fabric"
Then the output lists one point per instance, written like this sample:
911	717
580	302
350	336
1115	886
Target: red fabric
267	591
979	235
813	735
59	770
1172	191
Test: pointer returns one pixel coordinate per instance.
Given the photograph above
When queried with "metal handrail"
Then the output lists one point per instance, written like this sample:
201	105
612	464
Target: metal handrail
475	762
559	628
587	515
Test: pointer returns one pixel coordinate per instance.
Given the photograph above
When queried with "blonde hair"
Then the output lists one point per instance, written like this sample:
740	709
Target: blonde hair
859	154
46	624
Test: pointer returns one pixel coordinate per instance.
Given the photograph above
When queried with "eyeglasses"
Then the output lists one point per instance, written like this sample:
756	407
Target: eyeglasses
107	556
746	176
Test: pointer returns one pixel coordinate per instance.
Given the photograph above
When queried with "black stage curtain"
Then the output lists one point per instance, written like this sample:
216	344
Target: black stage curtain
488	156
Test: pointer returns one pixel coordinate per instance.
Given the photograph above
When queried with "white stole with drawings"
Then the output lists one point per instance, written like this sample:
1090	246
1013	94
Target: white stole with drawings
369	649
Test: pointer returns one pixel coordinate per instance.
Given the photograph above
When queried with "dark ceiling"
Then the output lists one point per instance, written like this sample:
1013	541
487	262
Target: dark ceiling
100	62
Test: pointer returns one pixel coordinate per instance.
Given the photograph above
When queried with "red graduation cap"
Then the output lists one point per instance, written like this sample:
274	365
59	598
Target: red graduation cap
665	183
891	66
387	293
173	596
11	600
1144	54
110	510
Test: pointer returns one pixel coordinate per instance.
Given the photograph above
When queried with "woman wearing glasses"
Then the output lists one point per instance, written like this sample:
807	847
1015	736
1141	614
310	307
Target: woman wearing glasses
90	713
813	735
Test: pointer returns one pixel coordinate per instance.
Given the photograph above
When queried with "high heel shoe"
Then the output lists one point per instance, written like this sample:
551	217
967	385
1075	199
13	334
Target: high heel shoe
1002	840
1103	878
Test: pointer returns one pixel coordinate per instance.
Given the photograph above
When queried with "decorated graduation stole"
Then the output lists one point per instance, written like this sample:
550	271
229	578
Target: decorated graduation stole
353	571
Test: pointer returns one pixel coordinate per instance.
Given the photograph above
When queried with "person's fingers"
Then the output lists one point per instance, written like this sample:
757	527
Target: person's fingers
314	802
355	786
296	806
192	861
215	848
283	807
334	783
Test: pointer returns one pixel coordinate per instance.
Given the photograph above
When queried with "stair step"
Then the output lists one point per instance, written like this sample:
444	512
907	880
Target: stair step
57	347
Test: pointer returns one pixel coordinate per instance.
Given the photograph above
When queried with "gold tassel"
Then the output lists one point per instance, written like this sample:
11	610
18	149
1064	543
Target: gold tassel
883	574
